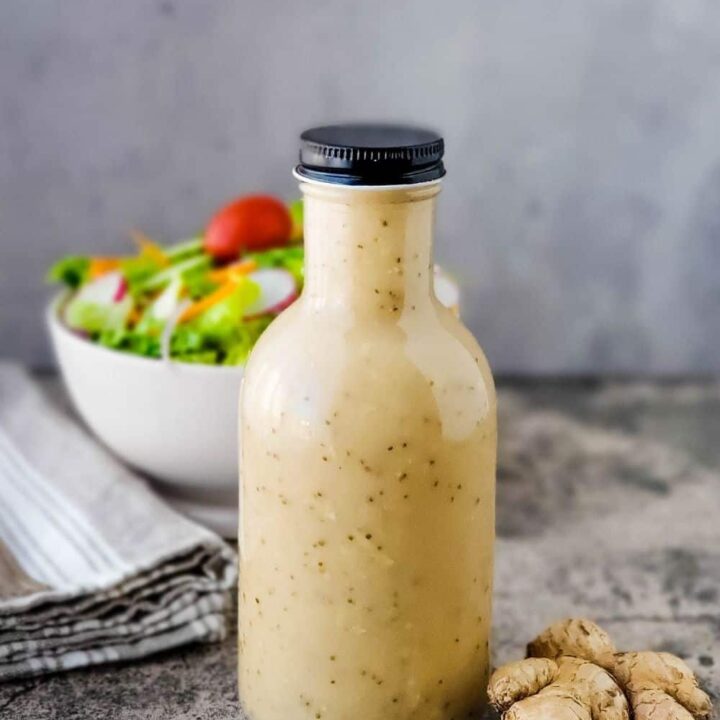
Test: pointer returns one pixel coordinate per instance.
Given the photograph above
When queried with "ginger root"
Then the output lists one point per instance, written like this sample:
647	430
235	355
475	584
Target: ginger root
574	671
568	688
577	637
660	685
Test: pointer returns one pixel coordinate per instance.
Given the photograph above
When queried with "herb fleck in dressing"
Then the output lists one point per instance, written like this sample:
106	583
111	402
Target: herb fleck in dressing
368	476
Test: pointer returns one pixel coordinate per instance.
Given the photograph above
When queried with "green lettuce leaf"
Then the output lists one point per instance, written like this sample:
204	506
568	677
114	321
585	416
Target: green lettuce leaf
184	249
137	271
183	269
220	336
198	283
238	346
71	271
132	341
223	318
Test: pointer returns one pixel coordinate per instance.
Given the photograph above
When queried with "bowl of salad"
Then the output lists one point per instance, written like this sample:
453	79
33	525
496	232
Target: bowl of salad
151	344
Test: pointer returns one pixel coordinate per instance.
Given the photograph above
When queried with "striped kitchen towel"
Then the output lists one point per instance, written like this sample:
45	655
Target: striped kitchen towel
93	566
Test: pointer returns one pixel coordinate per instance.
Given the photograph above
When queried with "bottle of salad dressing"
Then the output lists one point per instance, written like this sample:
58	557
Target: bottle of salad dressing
368	459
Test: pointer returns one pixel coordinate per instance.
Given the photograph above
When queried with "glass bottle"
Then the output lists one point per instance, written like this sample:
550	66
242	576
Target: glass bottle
368	459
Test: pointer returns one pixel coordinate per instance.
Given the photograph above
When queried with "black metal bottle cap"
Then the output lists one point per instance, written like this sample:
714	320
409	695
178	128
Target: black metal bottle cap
371	154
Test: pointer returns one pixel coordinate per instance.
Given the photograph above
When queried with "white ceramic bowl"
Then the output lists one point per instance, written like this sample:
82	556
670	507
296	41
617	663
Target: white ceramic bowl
176	422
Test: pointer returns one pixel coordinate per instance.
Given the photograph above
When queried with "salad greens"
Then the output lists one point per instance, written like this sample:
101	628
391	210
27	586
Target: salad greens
71	271
180	301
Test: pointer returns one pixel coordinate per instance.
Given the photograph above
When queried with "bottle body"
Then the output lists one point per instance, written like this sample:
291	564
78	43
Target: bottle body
368	477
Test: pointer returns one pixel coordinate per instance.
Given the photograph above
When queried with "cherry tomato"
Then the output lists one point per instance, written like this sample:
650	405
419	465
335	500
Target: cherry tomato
250	223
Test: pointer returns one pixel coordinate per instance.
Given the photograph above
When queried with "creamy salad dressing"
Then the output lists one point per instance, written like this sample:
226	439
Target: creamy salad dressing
368	479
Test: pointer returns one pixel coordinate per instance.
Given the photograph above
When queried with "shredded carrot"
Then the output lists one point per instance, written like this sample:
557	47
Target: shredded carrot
102	265
233	271
150	248
200	306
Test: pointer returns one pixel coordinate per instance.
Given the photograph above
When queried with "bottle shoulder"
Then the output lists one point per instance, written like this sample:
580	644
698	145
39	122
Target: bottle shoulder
298	335
304	354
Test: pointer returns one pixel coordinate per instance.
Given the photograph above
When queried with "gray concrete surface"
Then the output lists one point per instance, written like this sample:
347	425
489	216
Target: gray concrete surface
580	211
608	506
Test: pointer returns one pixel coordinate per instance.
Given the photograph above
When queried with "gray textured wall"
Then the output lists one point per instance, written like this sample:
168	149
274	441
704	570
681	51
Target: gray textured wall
582	207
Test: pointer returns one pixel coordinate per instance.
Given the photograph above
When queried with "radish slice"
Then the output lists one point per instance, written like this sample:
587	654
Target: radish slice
121	291
102	304
105	290
446	290
277	291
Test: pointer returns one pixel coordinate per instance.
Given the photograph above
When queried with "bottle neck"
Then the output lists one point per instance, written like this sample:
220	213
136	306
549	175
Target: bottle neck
369	250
